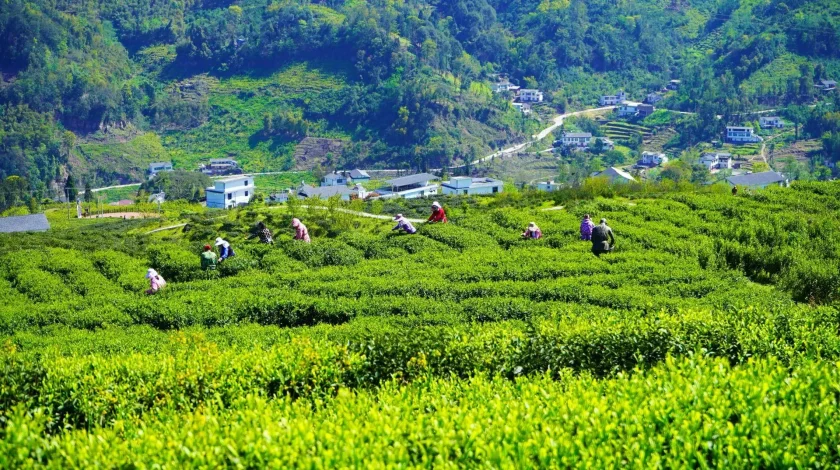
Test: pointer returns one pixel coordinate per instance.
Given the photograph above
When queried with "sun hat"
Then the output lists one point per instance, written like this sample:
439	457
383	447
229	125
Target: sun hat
219	241
532	224
436	204
295	222
603	221
398	217
151	273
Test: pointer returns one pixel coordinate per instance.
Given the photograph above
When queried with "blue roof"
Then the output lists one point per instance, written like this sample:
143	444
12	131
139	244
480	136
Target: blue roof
757	179
24	223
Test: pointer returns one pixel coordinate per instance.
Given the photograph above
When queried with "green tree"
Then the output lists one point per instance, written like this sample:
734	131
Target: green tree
70	189
88	192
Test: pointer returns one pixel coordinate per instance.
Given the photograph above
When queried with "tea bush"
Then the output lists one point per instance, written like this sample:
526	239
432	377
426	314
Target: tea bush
712	310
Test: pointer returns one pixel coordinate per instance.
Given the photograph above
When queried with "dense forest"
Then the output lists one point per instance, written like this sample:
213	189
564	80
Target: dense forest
100	89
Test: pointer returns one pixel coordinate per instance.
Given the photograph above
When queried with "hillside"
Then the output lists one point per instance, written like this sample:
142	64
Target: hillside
713	323
99	90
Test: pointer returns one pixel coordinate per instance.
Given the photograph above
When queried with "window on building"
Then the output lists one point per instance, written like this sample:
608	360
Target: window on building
246	182
495	189
246	193
230	196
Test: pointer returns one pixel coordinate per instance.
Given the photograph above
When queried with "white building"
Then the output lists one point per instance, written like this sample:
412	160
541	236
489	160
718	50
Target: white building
771	122
524	108
577	139
629	108
466	185
612	100
410	187
653	98
548	186
615	175
504	86
826	85
716	161
528	95
652	159
157	167
230	192
674	84
334	179
741	134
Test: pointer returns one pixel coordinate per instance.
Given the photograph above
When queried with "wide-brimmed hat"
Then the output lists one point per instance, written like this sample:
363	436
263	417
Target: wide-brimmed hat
436	204
398	217
532	225
295	222
151	273
603	221
219	241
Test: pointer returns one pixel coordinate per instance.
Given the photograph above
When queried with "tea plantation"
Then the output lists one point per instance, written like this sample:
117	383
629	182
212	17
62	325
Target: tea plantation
709	338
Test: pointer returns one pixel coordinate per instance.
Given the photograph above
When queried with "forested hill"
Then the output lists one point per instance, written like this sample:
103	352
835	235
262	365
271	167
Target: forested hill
100	89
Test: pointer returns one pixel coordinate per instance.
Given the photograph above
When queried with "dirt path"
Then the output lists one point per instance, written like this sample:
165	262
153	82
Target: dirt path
123	215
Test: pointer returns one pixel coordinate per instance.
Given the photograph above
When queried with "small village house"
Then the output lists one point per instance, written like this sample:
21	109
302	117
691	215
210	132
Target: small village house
548	186
758	180
230	192
359	176
826	85
615	175
221	166
576	139
157	167
465	185
306	191
523	108
653	98
741	134
771	122
652	159
612	100
716	161
633	109
674	84
504	86
334	179
410	187
528	95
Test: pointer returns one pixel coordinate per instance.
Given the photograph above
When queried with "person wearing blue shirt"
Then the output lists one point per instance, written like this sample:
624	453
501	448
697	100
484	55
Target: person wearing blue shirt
225	250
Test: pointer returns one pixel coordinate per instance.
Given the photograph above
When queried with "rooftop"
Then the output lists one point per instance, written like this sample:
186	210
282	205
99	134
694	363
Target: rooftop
357	173
160	163
24	223
614	173
324	191
757	179
477	183
578	134
231	179
412	179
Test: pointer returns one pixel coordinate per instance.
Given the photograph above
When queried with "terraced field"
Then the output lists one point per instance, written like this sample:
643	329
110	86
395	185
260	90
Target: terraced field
706	338
618	130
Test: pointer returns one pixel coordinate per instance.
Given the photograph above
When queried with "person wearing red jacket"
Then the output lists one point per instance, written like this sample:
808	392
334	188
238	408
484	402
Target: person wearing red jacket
438	215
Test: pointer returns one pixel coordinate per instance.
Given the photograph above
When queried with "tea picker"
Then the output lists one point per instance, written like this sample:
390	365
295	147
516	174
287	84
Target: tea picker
225	250
208	259
404	224
156	282
438	214
532	232
603	240
301	232
586	226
